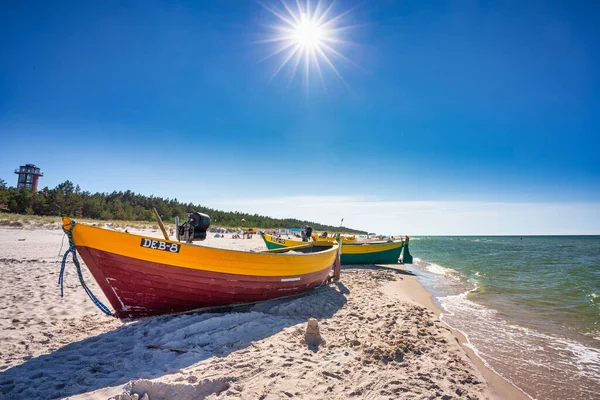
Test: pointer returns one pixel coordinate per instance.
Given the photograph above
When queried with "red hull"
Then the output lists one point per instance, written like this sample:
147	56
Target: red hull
137	288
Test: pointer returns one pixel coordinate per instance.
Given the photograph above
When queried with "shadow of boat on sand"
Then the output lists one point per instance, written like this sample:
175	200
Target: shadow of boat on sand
378	267
117	357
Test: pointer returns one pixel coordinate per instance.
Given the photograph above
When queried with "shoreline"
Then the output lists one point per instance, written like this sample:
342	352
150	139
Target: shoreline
381	329
410	289
522	308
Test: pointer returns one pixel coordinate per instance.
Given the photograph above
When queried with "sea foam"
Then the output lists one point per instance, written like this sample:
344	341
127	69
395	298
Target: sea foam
503	345
436	269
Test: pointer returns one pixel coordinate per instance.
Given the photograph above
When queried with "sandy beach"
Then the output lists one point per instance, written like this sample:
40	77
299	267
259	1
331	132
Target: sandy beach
382	338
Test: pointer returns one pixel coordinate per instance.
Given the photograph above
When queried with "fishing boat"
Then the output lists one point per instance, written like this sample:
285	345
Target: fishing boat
382	252
344	239
143	276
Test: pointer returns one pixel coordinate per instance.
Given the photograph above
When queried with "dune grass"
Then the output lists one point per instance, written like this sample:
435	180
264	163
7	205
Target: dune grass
9	220
31	221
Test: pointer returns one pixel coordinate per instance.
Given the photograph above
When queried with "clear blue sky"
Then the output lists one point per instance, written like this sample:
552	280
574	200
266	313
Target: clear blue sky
451	101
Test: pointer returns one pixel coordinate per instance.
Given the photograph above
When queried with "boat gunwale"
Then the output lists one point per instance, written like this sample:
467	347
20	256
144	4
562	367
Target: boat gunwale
334	246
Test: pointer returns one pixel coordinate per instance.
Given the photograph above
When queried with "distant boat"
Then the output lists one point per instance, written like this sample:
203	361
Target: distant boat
143	276
324	237
387	252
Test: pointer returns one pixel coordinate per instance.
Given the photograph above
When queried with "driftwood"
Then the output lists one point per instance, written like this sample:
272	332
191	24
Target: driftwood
175	349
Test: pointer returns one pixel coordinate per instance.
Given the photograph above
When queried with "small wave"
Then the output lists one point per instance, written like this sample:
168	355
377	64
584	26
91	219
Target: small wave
586	359
495	339
585	355
480	312
439	270
474	282
594	299
459	302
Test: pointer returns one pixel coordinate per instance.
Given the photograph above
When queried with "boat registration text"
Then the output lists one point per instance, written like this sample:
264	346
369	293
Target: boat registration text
158	245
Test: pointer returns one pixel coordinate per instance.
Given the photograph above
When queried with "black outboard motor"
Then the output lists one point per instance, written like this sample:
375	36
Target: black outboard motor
194	228
307	233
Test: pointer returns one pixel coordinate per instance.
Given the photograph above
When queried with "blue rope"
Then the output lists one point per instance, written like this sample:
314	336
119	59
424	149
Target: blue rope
73	250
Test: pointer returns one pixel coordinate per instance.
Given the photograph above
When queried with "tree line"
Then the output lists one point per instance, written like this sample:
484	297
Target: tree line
67	199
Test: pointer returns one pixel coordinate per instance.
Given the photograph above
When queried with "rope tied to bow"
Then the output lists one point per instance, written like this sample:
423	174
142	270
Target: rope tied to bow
73	250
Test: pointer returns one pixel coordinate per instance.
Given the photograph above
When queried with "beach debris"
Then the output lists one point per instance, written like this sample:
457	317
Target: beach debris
175	349
312	337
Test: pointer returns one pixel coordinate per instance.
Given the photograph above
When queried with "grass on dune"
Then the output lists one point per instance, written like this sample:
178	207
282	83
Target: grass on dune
9	220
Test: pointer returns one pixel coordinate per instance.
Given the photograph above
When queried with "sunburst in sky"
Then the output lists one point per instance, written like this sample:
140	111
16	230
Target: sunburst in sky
308	37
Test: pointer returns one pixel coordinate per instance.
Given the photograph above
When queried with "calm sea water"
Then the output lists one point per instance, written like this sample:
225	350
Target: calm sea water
529	306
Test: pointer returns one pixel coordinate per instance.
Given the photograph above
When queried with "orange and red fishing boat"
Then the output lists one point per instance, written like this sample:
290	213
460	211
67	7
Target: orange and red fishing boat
142	276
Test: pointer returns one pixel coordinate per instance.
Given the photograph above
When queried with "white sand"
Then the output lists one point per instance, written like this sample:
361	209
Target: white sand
379	342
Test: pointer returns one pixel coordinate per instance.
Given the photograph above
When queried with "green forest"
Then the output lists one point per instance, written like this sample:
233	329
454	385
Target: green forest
67	199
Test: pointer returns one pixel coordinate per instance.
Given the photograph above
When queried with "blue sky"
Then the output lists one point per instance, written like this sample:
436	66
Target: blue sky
449	102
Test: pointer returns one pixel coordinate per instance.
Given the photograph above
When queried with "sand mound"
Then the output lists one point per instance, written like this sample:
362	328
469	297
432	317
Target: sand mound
149	390
312	337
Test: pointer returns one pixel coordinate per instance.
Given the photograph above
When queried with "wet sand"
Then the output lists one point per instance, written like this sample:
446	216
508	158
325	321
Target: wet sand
382	338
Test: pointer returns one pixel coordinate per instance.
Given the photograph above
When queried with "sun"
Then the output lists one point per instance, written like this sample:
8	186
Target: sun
308	37
308	34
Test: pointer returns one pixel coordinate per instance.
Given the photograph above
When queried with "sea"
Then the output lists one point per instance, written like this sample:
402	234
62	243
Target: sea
529	306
